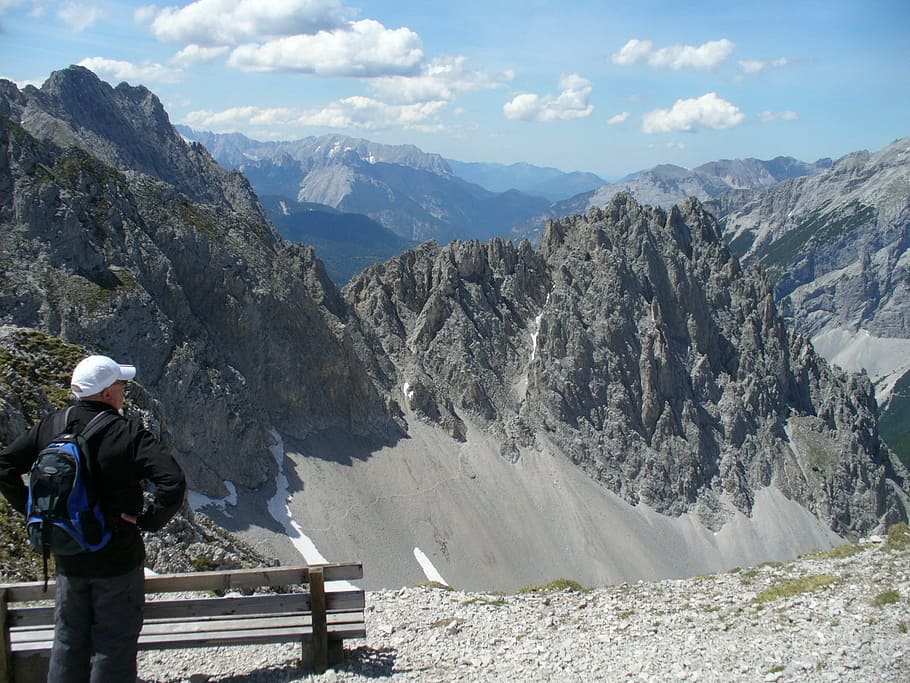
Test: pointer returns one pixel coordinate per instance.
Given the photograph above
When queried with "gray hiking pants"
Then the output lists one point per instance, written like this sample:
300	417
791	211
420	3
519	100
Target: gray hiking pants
96	626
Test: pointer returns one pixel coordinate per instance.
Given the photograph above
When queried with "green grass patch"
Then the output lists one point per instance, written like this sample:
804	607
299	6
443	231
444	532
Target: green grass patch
556	586
898	537
482	600
793	587
838	552
886	598
434	584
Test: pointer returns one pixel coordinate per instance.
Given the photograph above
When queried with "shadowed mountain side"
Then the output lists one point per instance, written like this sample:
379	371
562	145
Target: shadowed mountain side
234	329
487	523
633	344
345	242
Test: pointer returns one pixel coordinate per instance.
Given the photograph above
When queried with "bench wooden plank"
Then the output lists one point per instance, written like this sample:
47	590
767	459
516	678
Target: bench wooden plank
201	607
203	581
174	634
317	618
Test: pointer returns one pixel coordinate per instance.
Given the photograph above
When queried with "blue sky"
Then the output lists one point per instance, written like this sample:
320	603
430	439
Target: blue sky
601	86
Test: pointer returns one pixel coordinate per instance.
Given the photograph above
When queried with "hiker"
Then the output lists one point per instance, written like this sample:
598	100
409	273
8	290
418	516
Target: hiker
100	594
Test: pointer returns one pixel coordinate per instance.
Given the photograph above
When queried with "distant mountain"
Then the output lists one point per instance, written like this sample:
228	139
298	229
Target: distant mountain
837	245
666	185
750	173
625	388
413	194
547	182
346	242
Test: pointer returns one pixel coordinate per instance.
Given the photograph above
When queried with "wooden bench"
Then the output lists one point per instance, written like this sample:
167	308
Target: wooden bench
320	617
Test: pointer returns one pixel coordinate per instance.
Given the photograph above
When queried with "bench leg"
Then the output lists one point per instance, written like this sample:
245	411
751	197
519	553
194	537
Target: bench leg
320	638
335	654
30	668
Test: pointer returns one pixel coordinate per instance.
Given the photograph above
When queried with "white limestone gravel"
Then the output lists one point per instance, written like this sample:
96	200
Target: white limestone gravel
856	627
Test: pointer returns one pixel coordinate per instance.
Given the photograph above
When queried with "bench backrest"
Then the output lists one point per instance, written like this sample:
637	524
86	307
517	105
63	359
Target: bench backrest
232	579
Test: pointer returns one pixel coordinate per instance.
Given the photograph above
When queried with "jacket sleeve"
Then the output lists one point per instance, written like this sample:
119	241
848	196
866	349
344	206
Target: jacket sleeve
158	467
16	460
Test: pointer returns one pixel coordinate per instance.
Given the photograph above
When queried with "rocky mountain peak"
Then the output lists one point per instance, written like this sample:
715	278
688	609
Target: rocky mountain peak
634	341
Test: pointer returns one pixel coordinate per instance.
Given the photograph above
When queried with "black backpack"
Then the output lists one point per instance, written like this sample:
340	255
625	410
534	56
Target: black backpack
64	516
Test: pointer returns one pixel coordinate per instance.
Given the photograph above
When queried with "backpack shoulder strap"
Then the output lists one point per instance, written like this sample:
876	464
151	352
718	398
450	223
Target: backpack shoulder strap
99	422
60	420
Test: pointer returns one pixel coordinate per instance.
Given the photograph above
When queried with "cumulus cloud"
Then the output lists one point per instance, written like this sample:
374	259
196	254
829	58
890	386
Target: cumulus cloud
633	52
116	71
352	112
366	48
749	67
571	103
618	118
443	78
769	116
707	111
78	16
234	22
754	66
192	55
676	57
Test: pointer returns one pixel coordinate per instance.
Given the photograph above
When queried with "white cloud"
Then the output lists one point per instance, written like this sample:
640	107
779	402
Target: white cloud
769	116
748	67
676	57
234	22
571	103
352	112
192	55
618	118
442	79
116	71
633	52
145	14
707	111
365	49
77	16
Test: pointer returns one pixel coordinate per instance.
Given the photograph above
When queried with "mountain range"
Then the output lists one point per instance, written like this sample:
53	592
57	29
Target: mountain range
623	400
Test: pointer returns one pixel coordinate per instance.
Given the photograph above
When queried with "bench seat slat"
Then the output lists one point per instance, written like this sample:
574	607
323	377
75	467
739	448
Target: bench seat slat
276	603
177	634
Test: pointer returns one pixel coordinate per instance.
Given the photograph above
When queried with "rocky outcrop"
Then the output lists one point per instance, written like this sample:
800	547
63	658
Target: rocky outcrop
630	342
634	342
235	331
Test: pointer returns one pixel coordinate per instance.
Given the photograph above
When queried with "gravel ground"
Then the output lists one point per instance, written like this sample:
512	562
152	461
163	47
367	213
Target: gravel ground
837	619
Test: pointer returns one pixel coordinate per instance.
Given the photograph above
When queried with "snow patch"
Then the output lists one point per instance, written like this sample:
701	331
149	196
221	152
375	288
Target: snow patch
281	513
198	500
407	391
428	569
284	208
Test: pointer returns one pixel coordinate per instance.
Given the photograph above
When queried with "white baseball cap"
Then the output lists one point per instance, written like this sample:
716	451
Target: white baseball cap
96	373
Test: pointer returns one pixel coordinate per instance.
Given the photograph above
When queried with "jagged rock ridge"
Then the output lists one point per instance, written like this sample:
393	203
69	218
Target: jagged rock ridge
629	342
632	341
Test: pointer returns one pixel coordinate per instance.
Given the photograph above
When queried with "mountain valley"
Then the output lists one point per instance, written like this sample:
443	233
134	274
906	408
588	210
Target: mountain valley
623	399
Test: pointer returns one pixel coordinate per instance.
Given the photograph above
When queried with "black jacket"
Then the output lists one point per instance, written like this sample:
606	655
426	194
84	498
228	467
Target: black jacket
126	455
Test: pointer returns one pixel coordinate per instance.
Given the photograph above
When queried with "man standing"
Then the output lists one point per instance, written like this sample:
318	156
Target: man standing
100	595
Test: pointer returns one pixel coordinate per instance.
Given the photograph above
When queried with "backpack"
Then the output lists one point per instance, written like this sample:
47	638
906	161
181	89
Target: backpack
64	515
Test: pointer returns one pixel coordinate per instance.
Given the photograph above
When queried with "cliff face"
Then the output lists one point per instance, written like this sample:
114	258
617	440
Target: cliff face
630	342
633	342
176	270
